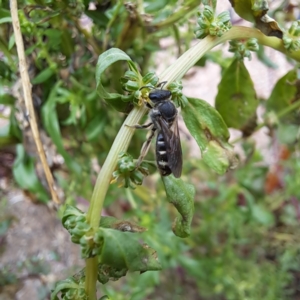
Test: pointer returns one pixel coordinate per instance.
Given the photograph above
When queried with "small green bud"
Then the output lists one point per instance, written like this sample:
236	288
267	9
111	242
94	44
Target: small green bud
177	96
150	78
241	48
291	38
130	75
208	13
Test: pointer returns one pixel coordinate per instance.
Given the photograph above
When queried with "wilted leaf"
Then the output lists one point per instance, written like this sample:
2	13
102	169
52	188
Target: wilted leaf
211	134
181	195
123	250
236	100
106	273
255	11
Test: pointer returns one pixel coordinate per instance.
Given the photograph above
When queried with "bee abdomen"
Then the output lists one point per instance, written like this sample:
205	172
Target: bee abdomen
161	156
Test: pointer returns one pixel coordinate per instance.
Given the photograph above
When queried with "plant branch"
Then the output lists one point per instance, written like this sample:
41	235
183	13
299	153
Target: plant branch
28	97
175	72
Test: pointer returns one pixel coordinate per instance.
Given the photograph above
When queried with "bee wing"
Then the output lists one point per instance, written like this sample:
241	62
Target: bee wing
173	146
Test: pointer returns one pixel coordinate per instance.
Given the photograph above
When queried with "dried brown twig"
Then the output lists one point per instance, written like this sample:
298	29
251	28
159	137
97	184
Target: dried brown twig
28	98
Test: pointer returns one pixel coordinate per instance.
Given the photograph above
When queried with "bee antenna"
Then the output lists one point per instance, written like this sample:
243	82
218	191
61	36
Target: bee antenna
145	86
162	84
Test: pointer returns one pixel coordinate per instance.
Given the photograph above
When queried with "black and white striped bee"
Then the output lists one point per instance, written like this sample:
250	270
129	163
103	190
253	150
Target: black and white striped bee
163	115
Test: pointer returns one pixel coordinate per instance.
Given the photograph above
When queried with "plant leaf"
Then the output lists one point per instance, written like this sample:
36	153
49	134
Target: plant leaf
7	99
104	61
43	76
6	137
50	121
123	250
284	94
25	176
255	11
236	100
211	134
181	195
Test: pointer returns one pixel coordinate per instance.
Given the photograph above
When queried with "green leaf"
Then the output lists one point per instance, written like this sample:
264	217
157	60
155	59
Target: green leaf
14	128
63	286
96	126
181	195
236	100
6	137
4	12
25	176
5	20
124	250
283	95
43	76
211	134
67	43
263	215
51	124
104	298
7	99
7	53
11	41
104	61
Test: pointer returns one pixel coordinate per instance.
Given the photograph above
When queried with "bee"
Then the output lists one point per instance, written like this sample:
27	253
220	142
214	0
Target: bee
164	121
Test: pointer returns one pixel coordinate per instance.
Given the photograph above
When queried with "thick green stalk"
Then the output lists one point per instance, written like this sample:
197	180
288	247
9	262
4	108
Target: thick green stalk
91	274
120	144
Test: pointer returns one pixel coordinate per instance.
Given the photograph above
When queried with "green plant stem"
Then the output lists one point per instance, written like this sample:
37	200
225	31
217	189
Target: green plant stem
175	72
110	23
120	144
241	32
289	109
178	15
91	273
190	57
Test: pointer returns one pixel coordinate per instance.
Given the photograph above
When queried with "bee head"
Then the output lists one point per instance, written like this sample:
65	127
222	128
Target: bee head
157	96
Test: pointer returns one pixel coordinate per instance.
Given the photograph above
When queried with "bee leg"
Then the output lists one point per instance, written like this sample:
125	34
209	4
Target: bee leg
137	126
145	148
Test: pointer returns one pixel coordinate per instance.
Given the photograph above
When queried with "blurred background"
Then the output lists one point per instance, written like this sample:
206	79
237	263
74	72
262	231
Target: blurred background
245	237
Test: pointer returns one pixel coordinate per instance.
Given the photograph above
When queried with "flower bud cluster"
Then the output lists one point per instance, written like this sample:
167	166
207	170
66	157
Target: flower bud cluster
127	174
209	24
291	38
243	48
